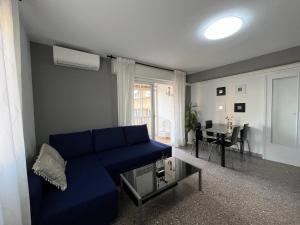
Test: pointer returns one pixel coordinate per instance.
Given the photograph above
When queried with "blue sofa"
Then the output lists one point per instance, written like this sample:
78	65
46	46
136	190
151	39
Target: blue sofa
95	160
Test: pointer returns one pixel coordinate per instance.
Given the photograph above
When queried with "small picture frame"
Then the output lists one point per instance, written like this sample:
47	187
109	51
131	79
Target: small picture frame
240	107
221	91
240	89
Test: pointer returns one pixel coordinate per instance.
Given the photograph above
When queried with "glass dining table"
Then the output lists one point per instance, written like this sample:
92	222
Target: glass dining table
222	132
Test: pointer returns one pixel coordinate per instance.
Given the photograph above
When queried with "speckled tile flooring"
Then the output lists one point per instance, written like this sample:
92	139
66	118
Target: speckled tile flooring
255	192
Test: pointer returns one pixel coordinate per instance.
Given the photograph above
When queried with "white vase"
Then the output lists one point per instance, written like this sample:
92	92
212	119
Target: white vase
190	137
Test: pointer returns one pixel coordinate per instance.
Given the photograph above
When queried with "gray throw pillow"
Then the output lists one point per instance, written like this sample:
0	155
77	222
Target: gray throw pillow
51	166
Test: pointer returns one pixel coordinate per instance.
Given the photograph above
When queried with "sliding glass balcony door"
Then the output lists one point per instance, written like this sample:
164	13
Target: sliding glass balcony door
153	105
164	109
143	106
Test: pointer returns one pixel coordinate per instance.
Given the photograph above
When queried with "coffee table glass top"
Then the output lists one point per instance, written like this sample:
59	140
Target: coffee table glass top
151	179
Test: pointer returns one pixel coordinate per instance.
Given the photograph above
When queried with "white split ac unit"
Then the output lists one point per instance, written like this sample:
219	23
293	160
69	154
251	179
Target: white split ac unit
73	58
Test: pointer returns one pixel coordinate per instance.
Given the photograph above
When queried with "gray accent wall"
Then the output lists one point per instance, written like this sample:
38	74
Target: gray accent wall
27	98
279	58
69	99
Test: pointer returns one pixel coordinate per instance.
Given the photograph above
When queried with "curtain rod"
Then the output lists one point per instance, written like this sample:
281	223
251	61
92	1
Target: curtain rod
143	64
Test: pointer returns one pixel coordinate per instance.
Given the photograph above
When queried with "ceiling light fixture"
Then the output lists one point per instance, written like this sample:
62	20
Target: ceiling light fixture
223	28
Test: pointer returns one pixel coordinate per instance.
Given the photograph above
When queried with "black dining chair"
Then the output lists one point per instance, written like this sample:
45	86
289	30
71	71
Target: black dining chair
233	142
202	141
244	137
199	133
198	136
210	135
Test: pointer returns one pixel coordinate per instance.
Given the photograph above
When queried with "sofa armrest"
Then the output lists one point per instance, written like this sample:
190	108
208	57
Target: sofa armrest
36	192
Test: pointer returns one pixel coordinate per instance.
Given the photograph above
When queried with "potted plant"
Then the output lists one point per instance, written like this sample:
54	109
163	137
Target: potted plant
190	123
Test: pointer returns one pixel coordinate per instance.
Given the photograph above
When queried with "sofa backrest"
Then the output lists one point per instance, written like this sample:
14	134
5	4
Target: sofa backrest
72	145
136	134
108	138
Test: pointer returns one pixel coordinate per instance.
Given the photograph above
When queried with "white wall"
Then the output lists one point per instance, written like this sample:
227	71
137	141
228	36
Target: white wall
27	97
203	94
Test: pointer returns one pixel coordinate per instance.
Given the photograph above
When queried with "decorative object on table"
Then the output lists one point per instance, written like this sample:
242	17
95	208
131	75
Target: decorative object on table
221	107
229	123
240	89
239	107
190	122
221	91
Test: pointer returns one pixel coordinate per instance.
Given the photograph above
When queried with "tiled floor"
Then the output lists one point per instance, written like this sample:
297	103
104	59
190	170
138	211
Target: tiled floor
255	192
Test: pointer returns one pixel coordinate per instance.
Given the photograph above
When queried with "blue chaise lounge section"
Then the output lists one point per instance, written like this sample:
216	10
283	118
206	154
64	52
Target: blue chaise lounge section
95	160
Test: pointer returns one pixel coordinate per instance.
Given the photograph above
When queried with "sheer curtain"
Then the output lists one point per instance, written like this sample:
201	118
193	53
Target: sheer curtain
178	133
14	199
125	69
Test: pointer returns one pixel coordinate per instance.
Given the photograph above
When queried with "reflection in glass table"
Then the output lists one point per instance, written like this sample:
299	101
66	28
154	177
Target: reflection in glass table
149	181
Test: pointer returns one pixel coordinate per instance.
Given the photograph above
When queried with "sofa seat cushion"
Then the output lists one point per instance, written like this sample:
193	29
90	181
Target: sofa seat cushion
72	145
130	157
108	138
91	197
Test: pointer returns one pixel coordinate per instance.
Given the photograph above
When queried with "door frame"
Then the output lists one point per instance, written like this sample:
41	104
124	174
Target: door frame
287	71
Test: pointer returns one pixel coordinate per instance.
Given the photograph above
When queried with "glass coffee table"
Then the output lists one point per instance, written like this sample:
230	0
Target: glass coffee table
146	182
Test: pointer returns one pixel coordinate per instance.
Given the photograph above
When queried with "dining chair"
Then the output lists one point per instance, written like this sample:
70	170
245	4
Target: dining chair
244	136
198	136
209	124
202	141
233	142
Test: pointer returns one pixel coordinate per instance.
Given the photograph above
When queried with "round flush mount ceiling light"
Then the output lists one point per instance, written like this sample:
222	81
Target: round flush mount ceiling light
223	28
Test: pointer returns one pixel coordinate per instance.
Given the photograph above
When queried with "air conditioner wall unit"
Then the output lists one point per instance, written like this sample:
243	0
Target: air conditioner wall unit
74	58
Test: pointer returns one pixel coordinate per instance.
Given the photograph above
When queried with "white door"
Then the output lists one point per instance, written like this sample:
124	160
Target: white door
282	124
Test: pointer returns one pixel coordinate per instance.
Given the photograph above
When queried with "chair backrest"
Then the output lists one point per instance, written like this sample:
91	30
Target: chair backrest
245	132
198	125
208	124
199	133
235	134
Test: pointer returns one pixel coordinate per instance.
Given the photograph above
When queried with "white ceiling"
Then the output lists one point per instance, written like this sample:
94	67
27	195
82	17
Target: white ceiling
166	33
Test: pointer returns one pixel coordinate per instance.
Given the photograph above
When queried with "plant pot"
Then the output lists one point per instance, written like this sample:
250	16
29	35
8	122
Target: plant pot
190	137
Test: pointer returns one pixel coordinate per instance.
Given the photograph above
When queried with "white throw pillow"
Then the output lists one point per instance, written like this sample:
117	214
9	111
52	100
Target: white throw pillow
51	166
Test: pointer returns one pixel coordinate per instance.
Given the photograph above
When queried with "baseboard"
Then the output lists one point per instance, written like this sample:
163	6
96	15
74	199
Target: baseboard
249	153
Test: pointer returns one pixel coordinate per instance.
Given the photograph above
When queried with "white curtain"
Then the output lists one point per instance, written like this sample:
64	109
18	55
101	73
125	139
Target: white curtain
178	132
14	199
125	69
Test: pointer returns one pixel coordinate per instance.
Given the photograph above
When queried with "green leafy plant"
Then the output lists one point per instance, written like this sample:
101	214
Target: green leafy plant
190	118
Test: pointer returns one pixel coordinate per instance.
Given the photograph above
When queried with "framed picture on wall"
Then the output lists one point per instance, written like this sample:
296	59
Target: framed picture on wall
240	89
221	91
239	107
